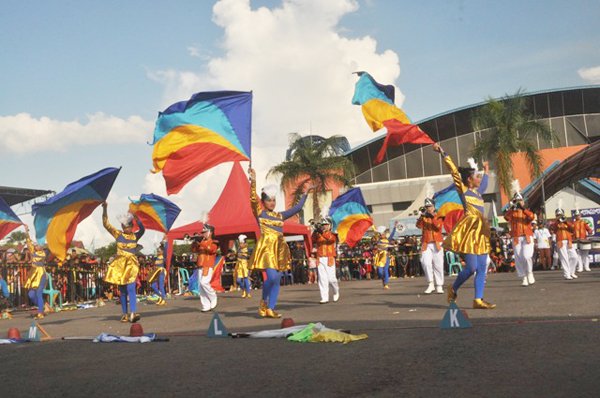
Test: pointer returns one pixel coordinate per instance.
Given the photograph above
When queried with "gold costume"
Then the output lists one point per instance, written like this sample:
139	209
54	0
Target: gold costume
159	264
241	266
37	271
471	233
382	255
124	269
271	250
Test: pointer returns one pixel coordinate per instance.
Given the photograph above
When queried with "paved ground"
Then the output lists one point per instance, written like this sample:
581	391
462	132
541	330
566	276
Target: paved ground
543	340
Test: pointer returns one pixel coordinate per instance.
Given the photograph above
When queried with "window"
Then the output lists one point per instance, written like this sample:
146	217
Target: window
573	101
399	206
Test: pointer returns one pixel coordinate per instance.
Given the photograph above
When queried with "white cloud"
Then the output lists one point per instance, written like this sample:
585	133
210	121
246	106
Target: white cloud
296	62
23	133
590	75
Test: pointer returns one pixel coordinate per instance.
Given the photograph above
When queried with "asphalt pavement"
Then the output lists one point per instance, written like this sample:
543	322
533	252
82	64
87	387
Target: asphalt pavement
541	341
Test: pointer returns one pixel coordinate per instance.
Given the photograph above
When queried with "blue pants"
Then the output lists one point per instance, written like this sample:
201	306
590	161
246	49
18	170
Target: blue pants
37	295
384	272
271	287
475	263
244	284
128	294
159	285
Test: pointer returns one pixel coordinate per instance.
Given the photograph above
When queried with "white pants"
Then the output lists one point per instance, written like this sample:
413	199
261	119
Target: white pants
568	259
432	261
523	257
583	261
327	277
208	296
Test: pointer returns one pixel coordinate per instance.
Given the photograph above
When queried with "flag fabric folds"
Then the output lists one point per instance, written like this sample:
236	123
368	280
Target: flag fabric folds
380	113
155	212
449	205
8	219
193	136
57	218
350	215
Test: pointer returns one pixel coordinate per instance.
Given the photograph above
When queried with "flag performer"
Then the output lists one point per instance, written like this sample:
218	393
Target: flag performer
123	271
157	279
471	234
272	254
383	256
241	266
37	279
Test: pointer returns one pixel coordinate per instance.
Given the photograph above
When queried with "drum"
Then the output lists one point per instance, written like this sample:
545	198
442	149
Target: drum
584	245
596	244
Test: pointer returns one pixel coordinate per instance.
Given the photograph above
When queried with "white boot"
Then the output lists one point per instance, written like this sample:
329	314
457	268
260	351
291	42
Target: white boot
525	281
530	278
336	296
574	276
439	289
430	288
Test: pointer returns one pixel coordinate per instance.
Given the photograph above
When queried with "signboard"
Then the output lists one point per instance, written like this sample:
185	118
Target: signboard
406	226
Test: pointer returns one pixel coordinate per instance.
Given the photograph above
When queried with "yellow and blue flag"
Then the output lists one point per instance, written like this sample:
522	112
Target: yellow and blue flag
57	218
350	215
155	212
377	103
193	136
8	219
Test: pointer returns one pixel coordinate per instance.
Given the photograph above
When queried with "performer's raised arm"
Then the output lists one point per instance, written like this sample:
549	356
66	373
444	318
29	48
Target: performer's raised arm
254	200
107	225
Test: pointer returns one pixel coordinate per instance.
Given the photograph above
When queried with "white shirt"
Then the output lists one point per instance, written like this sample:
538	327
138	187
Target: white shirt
542	238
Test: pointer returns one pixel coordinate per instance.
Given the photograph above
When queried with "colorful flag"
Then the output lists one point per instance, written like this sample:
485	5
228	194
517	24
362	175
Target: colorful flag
449	205
8	219
350	215
377	102
193	136
155	212
57	218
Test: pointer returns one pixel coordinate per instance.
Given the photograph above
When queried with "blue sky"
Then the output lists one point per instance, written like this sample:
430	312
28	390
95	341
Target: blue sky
78	72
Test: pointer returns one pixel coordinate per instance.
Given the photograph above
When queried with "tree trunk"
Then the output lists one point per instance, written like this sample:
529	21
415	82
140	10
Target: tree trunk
316	208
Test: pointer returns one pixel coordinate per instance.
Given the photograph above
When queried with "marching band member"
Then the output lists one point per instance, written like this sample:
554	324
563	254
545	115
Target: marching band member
432	253
471	234
383	256
157	279
564	244
37	279
271	254
520	219
241	266
581	230
123	271
325	241
206	250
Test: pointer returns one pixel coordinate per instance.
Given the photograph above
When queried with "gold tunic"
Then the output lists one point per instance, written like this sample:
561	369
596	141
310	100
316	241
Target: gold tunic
471	234
124	269
159	264
37	271
241	266
271	249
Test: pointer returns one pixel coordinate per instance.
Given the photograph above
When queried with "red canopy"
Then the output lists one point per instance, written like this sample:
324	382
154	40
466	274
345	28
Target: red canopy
232	216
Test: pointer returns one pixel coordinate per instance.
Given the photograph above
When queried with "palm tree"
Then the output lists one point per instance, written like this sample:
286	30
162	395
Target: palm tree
314	160
512	129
